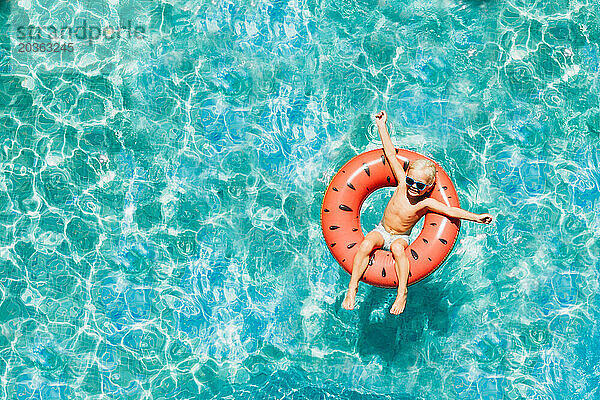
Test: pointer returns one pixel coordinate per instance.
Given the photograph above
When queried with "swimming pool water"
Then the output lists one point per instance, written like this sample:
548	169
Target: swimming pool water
160	198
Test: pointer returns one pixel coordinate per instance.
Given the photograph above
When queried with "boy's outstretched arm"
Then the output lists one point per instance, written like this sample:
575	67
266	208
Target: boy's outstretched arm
455	212
389	150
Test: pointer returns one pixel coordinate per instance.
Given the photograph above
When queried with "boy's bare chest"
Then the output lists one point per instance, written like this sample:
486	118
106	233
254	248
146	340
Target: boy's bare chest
400	207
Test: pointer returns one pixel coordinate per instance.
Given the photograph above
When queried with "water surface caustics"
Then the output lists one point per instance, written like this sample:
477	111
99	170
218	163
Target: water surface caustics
159	211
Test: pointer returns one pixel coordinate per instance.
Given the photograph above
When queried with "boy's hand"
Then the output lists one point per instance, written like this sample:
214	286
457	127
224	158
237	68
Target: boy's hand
484	218
381	118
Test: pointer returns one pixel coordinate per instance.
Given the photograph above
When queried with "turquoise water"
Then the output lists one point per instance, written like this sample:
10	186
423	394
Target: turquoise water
160	198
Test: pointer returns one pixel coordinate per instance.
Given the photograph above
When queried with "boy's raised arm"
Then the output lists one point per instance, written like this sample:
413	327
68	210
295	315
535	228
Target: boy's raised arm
389	150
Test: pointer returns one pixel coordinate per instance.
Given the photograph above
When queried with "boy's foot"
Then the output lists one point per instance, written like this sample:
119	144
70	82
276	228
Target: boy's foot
399	304
348	302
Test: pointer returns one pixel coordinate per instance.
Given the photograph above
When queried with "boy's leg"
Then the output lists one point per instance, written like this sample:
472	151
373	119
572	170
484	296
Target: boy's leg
402	268
373	240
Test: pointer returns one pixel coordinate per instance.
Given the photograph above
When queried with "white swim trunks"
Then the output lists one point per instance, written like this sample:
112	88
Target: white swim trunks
388	238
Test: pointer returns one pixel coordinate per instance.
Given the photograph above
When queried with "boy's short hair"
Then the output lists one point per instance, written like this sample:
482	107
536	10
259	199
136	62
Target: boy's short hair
424	165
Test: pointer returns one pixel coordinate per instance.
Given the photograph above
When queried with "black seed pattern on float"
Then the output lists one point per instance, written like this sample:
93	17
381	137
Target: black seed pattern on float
383	159
371	259
332	244
383	272
344	207
351	245
333	227
388	179
334	189
409	274
326	210
354	229
445	187
425	240
366	169
351	186
433	224
444	241
414	254
429	258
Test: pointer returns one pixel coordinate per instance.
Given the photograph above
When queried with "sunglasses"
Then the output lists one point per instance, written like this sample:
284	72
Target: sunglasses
415	184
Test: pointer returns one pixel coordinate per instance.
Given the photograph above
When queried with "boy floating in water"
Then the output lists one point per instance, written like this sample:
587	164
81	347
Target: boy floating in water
408	204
